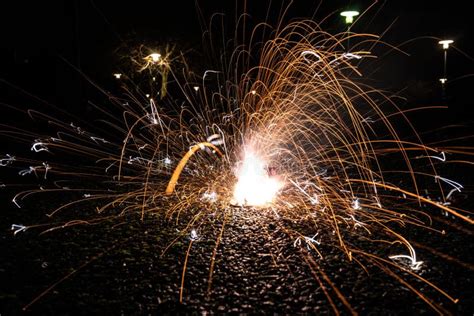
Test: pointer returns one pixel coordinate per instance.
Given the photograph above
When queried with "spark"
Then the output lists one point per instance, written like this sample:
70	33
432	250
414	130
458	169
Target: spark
110	166
139	160
414	264
442	158
39	146
357	223
350	56
210	72
377	201
7	160
312	239
313	199
194	235
18	228
215	139
368	120
312	53
24	172
77	129
209	197
46	169
99	139
356	204
154	117
456	186
15	202
307	240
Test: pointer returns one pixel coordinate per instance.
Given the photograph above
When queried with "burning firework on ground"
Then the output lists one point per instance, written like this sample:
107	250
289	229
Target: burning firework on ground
295	140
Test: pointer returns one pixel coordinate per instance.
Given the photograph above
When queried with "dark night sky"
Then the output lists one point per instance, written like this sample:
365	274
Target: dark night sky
35	34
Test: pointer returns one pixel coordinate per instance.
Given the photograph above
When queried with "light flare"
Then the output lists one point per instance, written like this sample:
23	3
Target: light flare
255	187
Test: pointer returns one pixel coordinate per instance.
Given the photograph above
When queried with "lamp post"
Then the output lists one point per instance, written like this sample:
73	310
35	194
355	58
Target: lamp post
445	44
349	19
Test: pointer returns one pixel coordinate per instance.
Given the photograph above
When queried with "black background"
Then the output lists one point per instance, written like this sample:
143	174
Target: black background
40	41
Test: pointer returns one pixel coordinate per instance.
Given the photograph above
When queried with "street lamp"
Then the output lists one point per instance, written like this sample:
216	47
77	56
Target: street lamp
349	19
445	44
155	57
349	15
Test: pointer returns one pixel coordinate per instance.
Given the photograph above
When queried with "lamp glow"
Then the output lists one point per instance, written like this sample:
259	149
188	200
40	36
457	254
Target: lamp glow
349	15
446	43
155	57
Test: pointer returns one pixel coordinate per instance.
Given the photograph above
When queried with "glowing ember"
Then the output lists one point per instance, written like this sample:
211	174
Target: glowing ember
255	186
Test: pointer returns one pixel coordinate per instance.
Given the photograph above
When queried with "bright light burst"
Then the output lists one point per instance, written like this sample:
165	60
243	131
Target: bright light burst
255	185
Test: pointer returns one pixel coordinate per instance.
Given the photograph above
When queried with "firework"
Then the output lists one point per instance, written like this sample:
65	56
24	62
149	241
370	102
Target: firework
294	139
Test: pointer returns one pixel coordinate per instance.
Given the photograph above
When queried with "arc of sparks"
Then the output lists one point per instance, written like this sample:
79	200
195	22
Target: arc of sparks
184	160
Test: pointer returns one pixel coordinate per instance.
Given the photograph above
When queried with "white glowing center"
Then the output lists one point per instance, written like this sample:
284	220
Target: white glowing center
255	186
